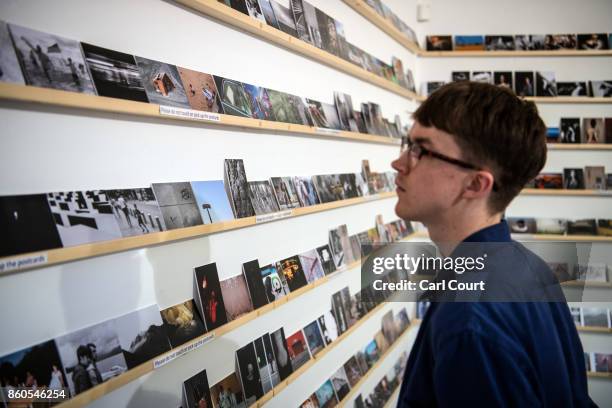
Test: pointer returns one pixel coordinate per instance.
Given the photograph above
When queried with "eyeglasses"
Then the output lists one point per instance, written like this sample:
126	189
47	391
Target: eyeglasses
417	151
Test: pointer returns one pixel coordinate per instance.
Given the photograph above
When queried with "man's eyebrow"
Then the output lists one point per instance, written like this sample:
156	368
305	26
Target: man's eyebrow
421	140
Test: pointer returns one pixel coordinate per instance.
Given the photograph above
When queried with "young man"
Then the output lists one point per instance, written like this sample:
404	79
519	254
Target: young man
470	152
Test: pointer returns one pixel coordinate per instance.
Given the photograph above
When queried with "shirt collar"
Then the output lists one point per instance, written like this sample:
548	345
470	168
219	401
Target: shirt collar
494	233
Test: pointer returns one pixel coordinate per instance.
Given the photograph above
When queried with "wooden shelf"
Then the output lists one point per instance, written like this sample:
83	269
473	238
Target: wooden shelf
53	97
565	192
591	329
579	146
69	254
516	53
220	11
593	374
385	25
536	237
114	383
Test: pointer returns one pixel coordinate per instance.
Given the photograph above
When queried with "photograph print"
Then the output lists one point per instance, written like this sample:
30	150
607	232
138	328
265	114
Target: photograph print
340	383
285	193
233	98
503	79
329	34
593	41
297	8
306	193
593	130
328	326
38	366
313	336
274	285
328	188
142	336
284	17
237	188
457	76
280	106
499	43
317	114
573	179
263	365
439	43
572	89
177	204
311	266
136	211
254	10
182	323
524	83
260	104
212	201
27	225
84	217
485	77
235	295
50	61
546	85
560	42
252	276
162	83
331	114
327	260
601	89
469	43
114	73
281	353
272	365
529	42
326	395
10	71
227	393
91	356
353	371
248	371
570	130
268	12
262	197
196	393
298	350
311	23
208	296
292	272
201	90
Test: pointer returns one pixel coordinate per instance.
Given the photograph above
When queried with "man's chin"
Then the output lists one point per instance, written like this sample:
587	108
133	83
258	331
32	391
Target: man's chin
407	214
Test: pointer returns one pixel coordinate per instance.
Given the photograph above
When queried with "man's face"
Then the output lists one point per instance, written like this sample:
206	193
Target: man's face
428	187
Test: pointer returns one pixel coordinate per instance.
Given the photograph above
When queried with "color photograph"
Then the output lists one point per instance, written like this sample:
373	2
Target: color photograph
281	353
162	83
306	192
233	98
208	296
201	90
227	393
311	265
298	350
182	323
292	272
212	201
196	393
235	297
274	285
326	395
469	43
260	104
313	336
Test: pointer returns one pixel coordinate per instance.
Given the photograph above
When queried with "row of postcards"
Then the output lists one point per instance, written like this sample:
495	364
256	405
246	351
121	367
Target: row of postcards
590	178
49	61
598	362
384	11
382	392
304	21
593	130
520	42
270	359
80	360
591	317
39	222
560	226
529	83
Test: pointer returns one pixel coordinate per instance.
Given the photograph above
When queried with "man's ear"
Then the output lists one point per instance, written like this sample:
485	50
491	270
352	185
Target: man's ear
480	184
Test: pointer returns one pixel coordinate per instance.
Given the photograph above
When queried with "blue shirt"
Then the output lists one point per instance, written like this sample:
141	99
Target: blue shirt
498	354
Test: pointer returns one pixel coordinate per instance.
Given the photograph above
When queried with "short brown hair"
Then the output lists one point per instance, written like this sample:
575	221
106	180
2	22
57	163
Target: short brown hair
493	127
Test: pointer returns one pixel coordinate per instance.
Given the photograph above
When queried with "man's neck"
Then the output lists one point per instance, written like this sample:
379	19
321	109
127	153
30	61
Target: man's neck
448	232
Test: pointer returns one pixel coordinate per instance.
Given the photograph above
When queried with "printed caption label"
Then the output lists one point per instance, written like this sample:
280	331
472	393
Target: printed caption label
13	264
189	114
273	216
160	362
324	131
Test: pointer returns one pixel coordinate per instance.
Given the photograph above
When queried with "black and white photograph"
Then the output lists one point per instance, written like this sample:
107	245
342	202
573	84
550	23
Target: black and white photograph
457	76
337	249
339	312
10	71
142	335
519	225
524	83
556	226
353	371
560	42
228	393
593	130
499	43
50	61
329	35
162	83
306	193
530	42
262	197
546	85
271	359
582	227
503	79
439	43
237	188
274	285
311	265
340	383
281	353
255	285
233	98
593	41
595	178
328	187
285	193
595	317
331	115
115	73
268	12
38	366
196	393
254	10
328	326
344	107
284	17
27	225
572	89
592	272
297	8
314	338
573	179
136	211
430	87
182	323
178	204
600	89
570	130
327	260
91	356
263	365
84	217
485	77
